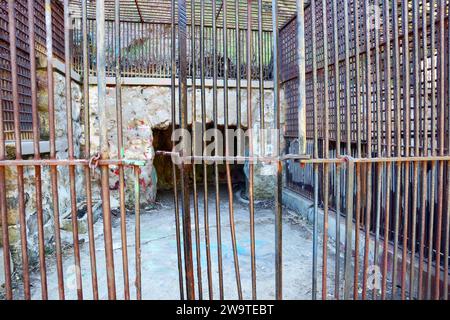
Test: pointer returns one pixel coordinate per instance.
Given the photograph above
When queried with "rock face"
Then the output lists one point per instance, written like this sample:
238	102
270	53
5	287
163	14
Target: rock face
138	142
148	108
12	193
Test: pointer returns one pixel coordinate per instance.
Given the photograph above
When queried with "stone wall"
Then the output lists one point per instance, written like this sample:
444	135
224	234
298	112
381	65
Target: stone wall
29	174
146	108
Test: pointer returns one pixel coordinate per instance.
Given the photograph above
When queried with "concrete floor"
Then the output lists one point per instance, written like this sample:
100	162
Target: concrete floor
159	255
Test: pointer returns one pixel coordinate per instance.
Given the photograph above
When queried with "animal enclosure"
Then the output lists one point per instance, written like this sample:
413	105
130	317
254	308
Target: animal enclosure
305	153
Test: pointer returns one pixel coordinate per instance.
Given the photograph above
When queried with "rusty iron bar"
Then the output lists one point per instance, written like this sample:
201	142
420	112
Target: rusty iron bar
137	233
227	152
194	145
4	211
349	178
216	168
52	131
18	147
379	168
251	151
260	73
70	140
416	57
87	151
359	151
368	102
104	149
433	150
441	128
316	154
185	169
174	169
337	269
279	179
36	134
325	153
388	102
120	148
205	166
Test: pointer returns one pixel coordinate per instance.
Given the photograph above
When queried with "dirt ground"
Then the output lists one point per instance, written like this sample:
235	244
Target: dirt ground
159	254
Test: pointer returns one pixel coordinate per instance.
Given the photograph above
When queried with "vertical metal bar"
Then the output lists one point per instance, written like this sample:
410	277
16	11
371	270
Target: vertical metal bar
194	148
441	126
52	132
325	151
36	136
182	91
397	98
337	270
407	134
434	141
349	191
369	147
205	166
301	77
87	151
316	153
279	191
104	151
348	227
216	168
227	151
137	209
18	145
261	75
73	196
447	213
3	210
358	146
249	126
379	144
120	149
388	110
416	144
174	170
